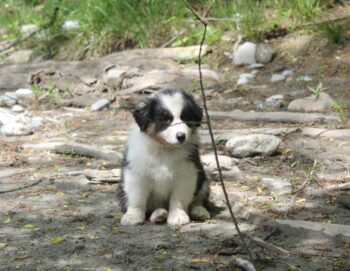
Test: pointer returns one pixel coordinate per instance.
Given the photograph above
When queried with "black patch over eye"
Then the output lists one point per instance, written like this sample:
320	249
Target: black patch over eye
162	118
191	113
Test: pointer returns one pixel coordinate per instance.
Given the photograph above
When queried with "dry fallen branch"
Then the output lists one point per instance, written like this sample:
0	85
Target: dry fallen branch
72	148
310	177
288	117
268	246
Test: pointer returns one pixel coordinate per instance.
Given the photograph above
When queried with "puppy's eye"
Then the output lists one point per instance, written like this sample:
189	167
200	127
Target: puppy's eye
166	117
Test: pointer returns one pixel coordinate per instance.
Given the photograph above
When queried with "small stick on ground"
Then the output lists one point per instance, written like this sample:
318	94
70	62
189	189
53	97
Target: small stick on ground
267	245
310	177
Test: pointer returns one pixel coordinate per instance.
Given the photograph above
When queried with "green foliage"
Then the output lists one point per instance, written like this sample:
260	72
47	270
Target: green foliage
334	32
317	90
341	109
112	25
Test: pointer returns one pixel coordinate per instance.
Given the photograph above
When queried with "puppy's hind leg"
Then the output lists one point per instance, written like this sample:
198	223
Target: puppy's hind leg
159	215
199	213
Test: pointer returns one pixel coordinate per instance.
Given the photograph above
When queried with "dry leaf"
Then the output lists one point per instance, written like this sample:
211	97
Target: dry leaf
56	240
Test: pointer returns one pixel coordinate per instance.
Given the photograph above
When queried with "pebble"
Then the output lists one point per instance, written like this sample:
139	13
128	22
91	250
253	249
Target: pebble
24	93
209	162
264	53
245	78
245	54
276	185
36	122
273	104
277	77
17	108
100	104
250	145
304	78
70	25
278	97
15	129
8	100
312	103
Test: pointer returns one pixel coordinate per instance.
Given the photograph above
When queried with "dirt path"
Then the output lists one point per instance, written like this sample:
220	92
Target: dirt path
61	221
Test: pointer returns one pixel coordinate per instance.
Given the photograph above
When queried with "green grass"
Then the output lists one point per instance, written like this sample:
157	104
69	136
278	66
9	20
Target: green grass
112	25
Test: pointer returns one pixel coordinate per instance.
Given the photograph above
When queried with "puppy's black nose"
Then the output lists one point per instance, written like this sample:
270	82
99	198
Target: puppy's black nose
181	137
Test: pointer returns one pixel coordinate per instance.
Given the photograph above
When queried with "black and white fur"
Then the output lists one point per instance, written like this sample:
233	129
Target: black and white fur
162	175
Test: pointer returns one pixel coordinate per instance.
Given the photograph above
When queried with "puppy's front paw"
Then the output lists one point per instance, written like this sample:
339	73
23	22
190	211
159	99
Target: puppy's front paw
178	217
133	217
199	213
159	216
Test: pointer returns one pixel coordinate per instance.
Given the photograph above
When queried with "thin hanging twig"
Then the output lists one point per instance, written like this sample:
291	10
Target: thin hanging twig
211	131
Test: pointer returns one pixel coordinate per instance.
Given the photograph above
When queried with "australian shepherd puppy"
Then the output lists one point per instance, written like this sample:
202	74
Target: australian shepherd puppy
162	176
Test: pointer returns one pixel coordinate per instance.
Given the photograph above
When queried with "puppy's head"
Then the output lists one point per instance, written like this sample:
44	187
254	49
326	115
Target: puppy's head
169	116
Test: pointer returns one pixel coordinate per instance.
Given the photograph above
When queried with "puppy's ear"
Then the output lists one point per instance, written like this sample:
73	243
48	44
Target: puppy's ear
142	114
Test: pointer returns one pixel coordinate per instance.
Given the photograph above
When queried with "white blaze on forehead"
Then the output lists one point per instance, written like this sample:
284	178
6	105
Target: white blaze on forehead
174	103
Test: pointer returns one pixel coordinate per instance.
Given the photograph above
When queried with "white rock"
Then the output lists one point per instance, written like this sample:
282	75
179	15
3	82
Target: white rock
17	108
254	72
243	81
209	162
304	78
15	129
277	77
264	53
36	122
247	75
287	73
276	185
100	104
312	103
24	93
8	100
277	97
249	145
245	54
70	25
256	66
27	29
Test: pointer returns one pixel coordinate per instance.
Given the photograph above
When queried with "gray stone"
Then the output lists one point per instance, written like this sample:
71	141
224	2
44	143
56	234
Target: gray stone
15	129
277	97
243	81
245	54
8	100
21	56
277	77
312	103
344	199
24	93
100	104
249	145
264	53
17	108
273	104
276	185
209	162
256	66
287	73
36	122
281	76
